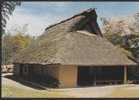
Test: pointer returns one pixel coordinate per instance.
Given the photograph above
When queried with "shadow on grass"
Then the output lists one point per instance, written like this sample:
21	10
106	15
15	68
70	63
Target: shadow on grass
23	81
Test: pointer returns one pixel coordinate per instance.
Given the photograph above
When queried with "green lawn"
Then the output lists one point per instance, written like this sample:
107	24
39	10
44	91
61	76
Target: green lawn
9	92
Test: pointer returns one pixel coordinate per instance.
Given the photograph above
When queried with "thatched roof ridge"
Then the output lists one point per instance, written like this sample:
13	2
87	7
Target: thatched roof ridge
79	14
87	20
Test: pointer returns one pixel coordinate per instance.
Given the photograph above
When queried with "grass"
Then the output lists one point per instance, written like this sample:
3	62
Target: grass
15	92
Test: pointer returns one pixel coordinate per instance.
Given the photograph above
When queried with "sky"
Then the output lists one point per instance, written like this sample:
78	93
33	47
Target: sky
39	15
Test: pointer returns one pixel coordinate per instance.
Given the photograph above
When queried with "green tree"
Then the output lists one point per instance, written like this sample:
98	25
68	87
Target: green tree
13	44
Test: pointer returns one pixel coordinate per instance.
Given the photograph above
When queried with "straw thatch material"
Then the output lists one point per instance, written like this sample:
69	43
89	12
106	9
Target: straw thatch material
66	43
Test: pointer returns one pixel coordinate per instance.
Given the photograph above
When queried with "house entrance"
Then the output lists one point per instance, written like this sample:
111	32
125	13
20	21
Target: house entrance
88	75
84	76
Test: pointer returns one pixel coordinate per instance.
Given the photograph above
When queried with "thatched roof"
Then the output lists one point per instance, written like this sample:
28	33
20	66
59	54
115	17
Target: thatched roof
74	41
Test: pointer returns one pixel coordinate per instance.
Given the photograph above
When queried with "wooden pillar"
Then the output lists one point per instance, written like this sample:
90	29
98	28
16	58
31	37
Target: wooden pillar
95	80
125	74
94	77
42	74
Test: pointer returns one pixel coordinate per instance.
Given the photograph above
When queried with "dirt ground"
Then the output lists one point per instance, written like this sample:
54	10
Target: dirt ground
9	86
131	90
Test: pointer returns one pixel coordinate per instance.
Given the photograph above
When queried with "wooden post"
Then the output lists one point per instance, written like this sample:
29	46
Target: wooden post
125	74
95	80
42	73
95	77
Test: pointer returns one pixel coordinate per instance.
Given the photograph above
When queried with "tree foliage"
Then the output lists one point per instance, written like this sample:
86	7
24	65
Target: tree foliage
125	36
13	44
7	9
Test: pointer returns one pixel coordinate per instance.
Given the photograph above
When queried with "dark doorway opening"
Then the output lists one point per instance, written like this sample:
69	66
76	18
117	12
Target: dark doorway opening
88	76
84	77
